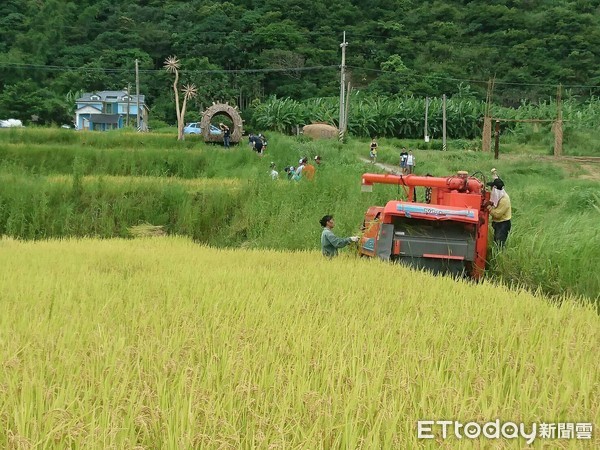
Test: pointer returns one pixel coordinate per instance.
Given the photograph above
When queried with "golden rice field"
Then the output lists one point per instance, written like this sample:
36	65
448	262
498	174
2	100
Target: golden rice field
158	343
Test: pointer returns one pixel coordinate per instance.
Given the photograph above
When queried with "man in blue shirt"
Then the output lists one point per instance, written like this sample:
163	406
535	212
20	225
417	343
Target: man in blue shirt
329	241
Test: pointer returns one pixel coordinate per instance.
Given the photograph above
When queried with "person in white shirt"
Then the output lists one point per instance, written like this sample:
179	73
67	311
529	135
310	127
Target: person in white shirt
410	162
300	168
274	174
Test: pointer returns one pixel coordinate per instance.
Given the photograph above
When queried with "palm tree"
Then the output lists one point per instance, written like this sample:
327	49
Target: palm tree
189	91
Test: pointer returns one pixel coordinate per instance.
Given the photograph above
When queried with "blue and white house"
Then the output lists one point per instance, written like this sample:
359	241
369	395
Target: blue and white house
110	110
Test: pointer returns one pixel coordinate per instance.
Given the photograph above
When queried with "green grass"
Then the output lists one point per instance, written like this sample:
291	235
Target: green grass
51	189
540	140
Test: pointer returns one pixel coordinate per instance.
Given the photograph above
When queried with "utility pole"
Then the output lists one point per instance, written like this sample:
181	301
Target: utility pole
426	134
137	93
128	102
347	107
444	122
342	124
487	117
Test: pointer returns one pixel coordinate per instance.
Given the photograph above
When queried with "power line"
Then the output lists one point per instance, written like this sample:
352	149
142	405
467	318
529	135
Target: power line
468	80
127	70
56	68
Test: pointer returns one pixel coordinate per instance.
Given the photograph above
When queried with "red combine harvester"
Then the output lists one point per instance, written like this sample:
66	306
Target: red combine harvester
446	234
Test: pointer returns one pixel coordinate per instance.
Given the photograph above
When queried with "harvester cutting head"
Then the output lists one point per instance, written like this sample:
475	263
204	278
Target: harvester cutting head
447	232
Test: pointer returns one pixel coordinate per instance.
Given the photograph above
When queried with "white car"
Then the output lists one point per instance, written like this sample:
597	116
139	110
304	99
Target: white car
10	123
194	128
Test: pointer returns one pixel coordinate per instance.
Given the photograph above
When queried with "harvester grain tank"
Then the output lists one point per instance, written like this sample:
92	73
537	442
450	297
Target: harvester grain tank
447	233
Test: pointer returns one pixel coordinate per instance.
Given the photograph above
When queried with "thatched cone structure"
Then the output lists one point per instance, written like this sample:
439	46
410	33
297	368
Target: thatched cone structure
320	131
226	110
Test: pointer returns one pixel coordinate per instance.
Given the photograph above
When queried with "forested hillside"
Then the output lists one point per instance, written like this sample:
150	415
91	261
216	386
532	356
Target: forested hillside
243	50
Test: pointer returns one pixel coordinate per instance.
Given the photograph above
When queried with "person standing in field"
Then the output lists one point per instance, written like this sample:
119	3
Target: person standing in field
373	151
410	162
274	174
329	241
500	210
256	143
403	158
299	169
263	138
289	171
226	134
317	160
309	170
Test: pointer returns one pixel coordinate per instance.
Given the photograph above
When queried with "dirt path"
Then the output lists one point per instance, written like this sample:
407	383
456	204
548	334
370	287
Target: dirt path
589	164
387	167
573	165
581	167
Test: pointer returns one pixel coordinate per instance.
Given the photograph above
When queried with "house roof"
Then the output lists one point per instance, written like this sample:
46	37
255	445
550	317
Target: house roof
104	118
88	109
115	96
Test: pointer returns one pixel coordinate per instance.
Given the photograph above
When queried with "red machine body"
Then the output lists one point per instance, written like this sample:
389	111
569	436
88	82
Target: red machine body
447	233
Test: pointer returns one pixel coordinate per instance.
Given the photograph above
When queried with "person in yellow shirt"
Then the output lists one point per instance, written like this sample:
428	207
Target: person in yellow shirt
500	210
373	151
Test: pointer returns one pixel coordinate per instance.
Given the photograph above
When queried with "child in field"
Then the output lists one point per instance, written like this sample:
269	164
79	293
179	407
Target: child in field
410	162
290	171
274	174
373	151
403	158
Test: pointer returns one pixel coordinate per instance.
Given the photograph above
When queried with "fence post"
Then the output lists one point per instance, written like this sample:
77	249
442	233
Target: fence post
497	140
444	122
557	126
486	139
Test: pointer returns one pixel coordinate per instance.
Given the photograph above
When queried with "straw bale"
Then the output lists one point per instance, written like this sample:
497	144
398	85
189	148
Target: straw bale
320	131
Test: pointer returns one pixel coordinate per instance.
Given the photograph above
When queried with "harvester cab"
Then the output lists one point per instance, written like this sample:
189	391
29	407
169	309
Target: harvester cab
448	233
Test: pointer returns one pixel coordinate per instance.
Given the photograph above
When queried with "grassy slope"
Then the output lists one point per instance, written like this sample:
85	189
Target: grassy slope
163	344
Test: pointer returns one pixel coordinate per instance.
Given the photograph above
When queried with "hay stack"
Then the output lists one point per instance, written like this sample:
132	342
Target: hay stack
320	131
147	230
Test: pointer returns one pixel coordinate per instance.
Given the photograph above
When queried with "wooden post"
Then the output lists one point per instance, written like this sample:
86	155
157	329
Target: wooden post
486	138
444	122
558	125
426	132
497	140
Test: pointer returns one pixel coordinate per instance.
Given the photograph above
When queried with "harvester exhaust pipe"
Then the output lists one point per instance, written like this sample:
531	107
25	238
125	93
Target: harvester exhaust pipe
460	182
